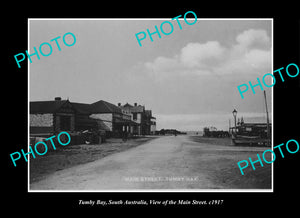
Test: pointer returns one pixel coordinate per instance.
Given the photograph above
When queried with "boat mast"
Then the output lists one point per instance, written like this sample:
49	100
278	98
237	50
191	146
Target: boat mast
268	123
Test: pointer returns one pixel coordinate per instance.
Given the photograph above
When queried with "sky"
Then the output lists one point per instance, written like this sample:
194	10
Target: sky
188	79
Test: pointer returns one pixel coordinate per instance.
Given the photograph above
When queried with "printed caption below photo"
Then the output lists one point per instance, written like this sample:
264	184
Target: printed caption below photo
149	202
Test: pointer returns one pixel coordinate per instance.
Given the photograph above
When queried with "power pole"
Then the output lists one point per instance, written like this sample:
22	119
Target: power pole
268	123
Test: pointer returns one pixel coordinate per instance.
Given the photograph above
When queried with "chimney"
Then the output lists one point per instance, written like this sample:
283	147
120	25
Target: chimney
57	98
135	104
119	104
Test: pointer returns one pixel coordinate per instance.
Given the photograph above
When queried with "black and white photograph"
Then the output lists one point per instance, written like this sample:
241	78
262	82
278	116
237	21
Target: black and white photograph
164	105
159	107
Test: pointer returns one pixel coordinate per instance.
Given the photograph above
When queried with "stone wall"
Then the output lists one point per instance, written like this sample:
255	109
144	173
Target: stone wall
42	120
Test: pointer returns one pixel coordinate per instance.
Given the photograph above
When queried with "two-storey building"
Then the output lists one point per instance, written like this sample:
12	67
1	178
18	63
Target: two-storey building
141	117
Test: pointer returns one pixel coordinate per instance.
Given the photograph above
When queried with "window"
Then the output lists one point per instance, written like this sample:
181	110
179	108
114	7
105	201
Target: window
134	116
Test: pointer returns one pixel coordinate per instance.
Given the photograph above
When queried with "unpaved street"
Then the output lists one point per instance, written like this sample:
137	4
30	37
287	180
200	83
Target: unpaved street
167	162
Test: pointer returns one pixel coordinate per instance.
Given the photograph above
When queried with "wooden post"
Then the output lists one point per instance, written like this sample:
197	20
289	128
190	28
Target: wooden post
268	127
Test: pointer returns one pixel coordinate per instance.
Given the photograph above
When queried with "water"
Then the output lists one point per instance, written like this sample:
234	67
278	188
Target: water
196	122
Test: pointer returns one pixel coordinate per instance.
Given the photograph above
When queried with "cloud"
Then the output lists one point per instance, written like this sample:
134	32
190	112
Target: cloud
163	64
253	38
251	53
199	55
194	58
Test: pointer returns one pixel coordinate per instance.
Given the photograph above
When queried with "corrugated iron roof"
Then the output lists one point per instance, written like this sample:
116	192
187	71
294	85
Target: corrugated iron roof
82	107
105	107
96	107
46	106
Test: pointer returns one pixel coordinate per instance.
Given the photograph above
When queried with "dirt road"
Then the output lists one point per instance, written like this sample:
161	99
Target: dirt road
167	162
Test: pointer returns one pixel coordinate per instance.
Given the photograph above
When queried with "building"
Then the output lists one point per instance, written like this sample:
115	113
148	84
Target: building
82	118
252	129
145	124
50	117
251	134
153	126
112	117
